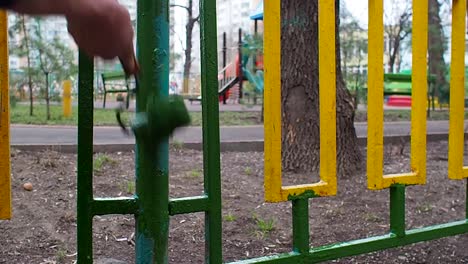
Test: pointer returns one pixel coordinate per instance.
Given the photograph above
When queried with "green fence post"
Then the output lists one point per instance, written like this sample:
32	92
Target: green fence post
152	184
397	210
210	116
85	160
301	230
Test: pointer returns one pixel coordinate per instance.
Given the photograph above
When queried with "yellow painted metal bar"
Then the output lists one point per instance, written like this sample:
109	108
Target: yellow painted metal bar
376	179
419	90
274	191
456	171
327	80
375	92
5	181
272	121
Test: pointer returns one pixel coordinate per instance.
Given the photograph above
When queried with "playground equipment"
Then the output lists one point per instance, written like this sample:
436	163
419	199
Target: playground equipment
5	185
152	206
398	88
234	73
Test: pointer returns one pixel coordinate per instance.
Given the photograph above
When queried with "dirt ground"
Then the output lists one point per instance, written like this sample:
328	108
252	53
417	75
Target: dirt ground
43	228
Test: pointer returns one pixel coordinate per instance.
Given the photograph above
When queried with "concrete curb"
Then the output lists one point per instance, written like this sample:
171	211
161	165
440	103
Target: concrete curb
226	146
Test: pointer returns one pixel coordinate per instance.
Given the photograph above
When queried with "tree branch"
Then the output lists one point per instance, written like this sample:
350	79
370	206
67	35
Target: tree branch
181	6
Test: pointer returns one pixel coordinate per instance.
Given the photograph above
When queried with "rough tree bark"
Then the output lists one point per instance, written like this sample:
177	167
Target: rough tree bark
300	94
436	47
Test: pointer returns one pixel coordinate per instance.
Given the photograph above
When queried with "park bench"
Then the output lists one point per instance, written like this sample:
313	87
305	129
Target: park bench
195	99
116	82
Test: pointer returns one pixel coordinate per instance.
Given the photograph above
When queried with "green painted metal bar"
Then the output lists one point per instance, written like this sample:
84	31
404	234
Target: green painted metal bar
152	181
85	160
105	206
188	205
367	245
397	210
211	138
285	258
301	230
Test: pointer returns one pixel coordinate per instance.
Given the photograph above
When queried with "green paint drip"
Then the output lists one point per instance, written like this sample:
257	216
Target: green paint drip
305	195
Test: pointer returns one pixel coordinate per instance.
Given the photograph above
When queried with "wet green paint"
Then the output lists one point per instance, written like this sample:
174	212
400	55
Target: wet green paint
151	204
304	195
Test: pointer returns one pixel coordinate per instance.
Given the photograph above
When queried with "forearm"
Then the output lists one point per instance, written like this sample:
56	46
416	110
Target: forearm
39	7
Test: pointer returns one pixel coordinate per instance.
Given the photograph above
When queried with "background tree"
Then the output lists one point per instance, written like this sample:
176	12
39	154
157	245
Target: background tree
192	19
397	29
437	47
353	46
300	90
54	58
22	48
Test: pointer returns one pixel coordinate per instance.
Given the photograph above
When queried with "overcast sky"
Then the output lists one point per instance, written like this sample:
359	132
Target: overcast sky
359	9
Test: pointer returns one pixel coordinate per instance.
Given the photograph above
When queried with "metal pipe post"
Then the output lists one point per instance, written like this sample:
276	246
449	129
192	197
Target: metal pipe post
85	160
152	184
241	75
5	178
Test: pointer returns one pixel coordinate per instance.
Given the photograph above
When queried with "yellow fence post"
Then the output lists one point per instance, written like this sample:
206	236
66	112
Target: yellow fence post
456	169
375	175
274	191
5	181
67	101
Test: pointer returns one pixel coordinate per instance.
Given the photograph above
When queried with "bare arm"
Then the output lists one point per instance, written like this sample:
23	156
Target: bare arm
42	7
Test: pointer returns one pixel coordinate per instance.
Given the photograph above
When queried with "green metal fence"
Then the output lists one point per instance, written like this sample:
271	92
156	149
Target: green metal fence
151	204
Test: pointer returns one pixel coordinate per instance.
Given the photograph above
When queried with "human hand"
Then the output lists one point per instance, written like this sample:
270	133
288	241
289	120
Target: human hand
99	27
103	28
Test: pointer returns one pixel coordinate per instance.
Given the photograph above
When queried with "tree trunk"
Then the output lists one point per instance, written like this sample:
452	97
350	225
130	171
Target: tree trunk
300	94
188	46
436	51
47	94
394	53
28	58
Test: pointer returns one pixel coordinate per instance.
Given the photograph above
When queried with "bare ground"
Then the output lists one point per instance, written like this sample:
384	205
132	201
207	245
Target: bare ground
43	228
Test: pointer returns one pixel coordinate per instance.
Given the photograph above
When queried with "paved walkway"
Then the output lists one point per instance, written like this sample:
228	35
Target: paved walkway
50	135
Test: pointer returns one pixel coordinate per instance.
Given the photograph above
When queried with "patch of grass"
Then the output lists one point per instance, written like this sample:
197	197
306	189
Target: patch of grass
371	217
100	161
230	118
230	217
106	117
405	115
128	187
177	144
264	226
248	171
195	173
20	115
424	208
61	255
